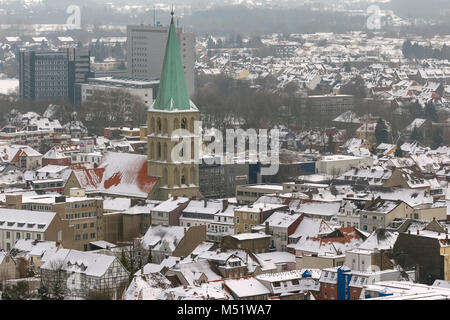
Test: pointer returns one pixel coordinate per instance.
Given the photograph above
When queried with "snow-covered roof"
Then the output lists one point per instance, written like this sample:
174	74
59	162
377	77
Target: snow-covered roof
156	235
380	239
247	287
311	227
118	174
250	236
282	219
192	271
26	220
277	257
320	208
147	287
91	264
170	204
43	249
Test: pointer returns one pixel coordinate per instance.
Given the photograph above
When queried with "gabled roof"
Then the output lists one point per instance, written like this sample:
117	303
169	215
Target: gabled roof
91	264
157	235
118	174
381	239
147	287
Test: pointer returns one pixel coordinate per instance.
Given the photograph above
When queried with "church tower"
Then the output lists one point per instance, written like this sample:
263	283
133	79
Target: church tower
172	110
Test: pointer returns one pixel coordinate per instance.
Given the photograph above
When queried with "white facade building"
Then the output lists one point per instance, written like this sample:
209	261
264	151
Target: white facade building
146	46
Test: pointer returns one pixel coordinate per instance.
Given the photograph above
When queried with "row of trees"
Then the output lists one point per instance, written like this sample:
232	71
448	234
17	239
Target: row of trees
102	109
101	51
111	109
235	42
417	51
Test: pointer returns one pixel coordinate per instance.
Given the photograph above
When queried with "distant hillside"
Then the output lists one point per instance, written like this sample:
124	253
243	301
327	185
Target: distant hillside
242	20
426	9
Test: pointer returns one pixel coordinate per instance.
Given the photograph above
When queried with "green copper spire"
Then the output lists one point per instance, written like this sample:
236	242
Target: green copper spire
172	92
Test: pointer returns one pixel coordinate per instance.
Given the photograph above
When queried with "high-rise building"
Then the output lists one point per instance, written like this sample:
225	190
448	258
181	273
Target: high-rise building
145	52
52	75
172	110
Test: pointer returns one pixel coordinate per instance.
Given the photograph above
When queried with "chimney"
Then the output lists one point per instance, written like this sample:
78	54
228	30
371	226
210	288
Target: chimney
267	227
446	230
205	203
409	231
224	204
185	230
418	232
175	197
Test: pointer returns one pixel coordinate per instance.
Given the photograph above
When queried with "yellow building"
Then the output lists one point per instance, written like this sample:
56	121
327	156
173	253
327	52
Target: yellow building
174	164
84	214
249	216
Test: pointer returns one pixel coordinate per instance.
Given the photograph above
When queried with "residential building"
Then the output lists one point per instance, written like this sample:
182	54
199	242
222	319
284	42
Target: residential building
81	273
349	212
427	250
291	285
253	242
248	216
280	225
33	225
8	266
216	215
84	214
168	212
247	289
166	241
380	213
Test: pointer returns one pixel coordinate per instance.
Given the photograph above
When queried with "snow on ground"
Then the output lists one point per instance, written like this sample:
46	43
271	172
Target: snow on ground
8	85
